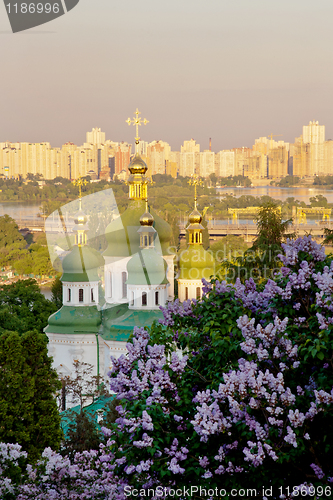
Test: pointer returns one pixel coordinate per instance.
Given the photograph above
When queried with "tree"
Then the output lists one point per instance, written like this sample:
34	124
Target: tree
250	402
23	307
28	409
261	260
56	290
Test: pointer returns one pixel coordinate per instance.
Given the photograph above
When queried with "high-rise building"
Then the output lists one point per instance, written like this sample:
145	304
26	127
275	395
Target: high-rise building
314	134
206	163
225	163
190	147
188	164
158	152
96	136
122	156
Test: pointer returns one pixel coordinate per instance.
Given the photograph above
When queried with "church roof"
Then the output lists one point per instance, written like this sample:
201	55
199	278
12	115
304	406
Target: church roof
81	264
119	321
69	319
122	233
196	263
147	267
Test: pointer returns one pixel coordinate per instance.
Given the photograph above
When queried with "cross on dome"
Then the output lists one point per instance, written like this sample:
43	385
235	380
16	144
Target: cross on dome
137	121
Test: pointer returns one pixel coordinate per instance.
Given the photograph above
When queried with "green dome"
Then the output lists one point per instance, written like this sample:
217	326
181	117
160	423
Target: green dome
122	233
81	264
146	267
196	263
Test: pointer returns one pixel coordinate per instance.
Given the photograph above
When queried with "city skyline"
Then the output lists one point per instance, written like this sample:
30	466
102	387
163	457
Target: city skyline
221	70
269	158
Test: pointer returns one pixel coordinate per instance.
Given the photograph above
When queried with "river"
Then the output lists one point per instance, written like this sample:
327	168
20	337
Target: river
299	193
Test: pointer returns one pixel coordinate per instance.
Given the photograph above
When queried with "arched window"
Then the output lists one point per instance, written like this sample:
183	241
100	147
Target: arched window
132	299
92	295
198	292
156	299
124	279
80	294
146	241
196	238
69	296
186	293
144	298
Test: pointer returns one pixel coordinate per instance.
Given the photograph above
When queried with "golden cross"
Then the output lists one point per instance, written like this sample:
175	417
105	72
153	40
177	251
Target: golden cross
195	181
137	122
80	183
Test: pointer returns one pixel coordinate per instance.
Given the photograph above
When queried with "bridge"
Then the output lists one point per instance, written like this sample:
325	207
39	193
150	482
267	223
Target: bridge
249	231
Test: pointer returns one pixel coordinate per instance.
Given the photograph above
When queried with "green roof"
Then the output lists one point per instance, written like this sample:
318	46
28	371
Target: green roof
196	263
119	321
98	406
147	267
81	264
122	233
85	319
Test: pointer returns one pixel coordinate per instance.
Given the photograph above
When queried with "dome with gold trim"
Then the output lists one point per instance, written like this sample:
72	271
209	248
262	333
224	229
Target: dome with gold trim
137	165
80	217
195	217
146	219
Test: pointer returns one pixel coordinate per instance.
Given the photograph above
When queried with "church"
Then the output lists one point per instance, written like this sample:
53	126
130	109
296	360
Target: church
138	275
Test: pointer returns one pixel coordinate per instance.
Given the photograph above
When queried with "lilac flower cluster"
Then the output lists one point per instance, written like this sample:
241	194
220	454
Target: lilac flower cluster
89	476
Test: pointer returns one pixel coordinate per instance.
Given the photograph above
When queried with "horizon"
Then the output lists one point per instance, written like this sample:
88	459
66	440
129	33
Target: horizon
226	70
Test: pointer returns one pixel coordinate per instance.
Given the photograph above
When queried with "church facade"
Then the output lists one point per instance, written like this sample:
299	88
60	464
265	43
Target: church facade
138	273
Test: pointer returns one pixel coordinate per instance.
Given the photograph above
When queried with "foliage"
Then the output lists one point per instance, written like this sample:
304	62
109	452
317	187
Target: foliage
318	201
232	391
250	403
28	409
288	181
23	307
14	251
89	476
56	290
228	247
261	260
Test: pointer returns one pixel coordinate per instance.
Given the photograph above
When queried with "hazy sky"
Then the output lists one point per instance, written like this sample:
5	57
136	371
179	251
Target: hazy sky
232	70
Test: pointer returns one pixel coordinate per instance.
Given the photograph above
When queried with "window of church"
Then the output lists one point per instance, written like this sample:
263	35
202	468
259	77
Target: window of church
92	295
132	299
124	279
198	292
144	298
80	294
146	241
156	299
186	293
69	296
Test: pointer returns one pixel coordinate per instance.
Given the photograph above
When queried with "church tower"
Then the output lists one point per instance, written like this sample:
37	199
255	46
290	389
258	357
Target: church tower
73	330
121	233
147	283
195	262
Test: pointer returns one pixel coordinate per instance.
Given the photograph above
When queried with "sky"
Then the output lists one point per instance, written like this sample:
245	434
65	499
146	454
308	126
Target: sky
232	70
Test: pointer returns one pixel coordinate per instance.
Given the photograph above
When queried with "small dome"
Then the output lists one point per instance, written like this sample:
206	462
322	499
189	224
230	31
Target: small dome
80	217
195	217
137	165
122	233
80	262
147	267
146	219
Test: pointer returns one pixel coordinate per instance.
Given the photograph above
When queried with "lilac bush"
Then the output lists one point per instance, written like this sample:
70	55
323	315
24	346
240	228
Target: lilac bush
231	391
250	403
